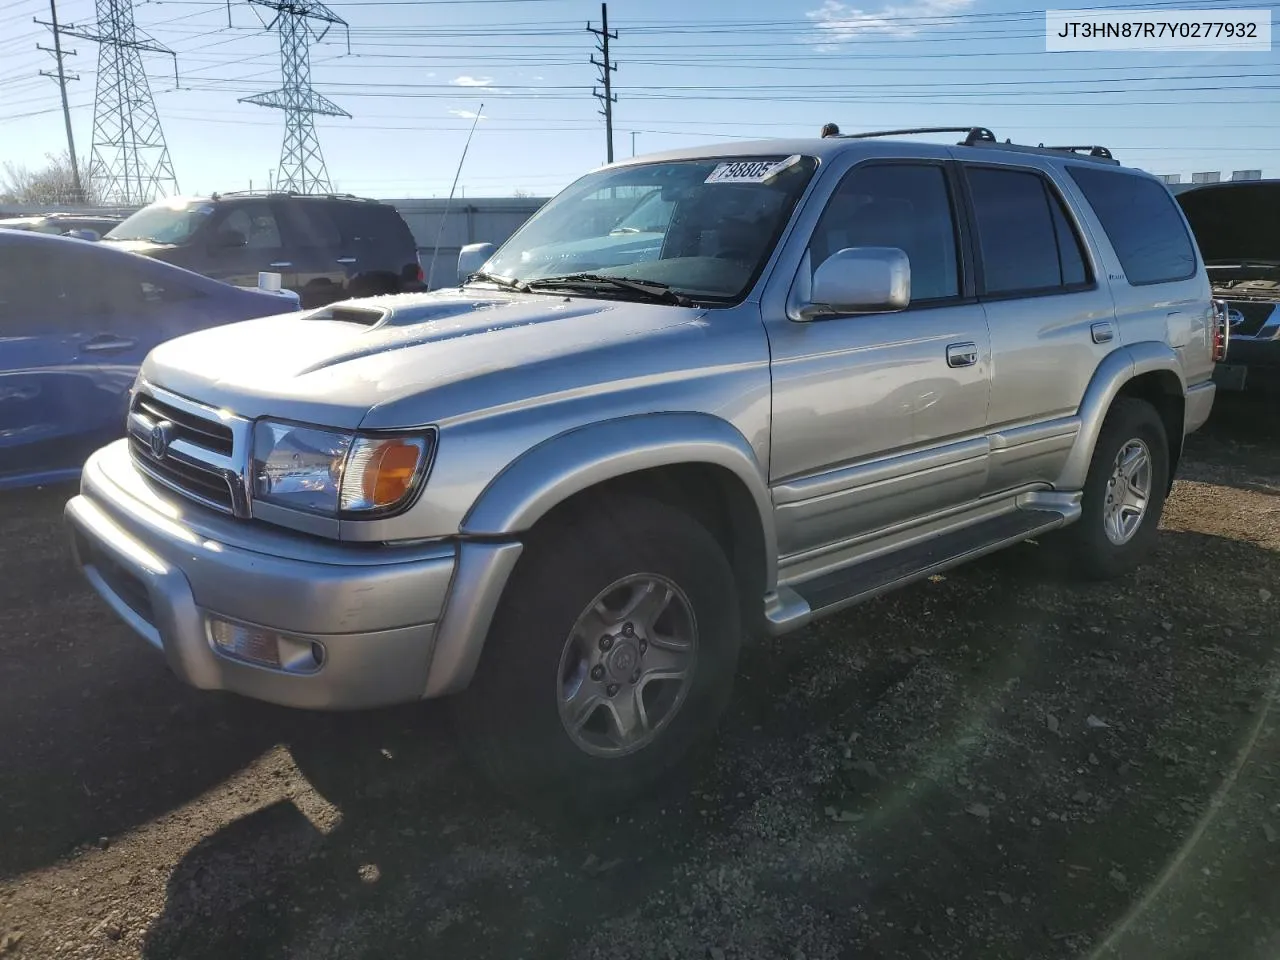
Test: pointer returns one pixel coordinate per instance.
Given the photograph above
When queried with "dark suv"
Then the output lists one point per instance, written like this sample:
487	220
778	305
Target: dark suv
325	247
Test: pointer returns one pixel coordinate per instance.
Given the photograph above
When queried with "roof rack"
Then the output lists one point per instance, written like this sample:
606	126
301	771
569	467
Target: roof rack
972	134
219	194
982	137
1093	151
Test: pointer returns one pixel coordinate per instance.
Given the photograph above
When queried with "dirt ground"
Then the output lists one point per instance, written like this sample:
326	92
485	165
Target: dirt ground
995	763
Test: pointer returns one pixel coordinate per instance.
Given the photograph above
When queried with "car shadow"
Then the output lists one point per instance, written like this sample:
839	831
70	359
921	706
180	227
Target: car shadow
992	744
99	737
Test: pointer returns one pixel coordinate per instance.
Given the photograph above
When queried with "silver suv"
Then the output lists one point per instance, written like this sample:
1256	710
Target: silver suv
566	491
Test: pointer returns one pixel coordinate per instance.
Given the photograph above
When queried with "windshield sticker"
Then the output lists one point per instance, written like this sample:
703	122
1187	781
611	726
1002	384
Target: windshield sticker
750	171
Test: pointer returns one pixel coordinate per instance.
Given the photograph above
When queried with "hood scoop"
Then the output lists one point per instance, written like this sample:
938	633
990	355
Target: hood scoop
365	316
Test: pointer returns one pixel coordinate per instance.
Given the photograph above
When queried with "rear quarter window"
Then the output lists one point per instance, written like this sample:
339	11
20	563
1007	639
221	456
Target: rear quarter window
1142	222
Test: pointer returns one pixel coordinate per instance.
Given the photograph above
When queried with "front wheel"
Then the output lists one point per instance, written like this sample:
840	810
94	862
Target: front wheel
1124	492
610	659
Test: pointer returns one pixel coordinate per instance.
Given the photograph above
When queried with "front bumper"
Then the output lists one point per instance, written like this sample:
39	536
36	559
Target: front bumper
374	614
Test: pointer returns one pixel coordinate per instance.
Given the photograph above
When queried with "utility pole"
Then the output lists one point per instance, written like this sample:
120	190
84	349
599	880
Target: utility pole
633	143
61	77
607	69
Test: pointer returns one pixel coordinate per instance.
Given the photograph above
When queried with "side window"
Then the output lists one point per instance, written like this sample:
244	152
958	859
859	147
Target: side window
907	206
1026	241
312	225
256	223
1142	222
33	298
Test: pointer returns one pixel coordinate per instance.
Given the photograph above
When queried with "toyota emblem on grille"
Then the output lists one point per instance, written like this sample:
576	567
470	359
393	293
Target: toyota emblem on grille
160	439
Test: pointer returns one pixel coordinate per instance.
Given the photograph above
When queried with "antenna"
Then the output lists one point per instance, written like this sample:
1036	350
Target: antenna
431	271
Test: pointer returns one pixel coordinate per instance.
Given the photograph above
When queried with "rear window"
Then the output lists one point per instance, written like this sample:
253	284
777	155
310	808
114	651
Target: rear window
1142	222
372	224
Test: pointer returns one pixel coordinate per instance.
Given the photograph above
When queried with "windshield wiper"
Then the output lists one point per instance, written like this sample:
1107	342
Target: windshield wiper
653	289
508	283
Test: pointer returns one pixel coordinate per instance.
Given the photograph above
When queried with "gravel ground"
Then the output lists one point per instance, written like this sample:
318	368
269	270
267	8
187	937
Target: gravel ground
992	763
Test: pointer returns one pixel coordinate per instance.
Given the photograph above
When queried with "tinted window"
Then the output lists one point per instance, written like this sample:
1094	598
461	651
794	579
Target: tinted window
1016	232
895	205
32	293
1142	222
367	224
312	224
256	223
1070	253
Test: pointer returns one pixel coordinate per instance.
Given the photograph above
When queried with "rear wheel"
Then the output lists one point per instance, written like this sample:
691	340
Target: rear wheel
1124	492
610	659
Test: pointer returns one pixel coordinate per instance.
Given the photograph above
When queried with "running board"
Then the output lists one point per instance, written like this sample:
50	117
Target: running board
795	606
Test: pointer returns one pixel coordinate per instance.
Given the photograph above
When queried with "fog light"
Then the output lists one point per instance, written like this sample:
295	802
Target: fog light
264	647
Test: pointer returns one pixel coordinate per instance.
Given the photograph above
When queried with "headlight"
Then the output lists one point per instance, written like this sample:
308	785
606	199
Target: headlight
331	473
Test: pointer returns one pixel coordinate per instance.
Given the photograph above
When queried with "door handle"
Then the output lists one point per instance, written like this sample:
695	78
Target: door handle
1102	332
108	344
962	354
283	263
345	260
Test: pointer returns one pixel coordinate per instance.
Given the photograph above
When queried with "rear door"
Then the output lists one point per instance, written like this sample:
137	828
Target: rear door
51	386
378	249
1051	321
319	264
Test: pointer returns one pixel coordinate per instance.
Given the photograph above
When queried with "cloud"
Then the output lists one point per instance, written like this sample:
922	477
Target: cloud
468	114
840	22
465	81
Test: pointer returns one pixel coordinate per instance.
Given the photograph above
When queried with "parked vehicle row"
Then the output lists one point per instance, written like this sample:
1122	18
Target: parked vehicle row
698	396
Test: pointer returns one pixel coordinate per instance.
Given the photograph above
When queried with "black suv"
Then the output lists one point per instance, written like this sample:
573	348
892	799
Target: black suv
325	247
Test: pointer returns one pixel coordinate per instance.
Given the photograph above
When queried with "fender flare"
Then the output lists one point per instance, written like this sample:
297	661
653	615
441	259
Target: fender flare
580	458
1116	369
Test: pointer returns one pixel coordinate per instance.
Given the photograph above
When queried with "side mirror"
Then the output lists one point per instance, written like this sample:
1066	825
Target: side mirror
229	239
472	257
858	280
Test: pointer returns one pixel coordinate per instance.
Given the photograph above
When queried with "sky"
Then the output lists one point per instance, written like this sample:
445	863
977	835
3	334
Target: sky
418	71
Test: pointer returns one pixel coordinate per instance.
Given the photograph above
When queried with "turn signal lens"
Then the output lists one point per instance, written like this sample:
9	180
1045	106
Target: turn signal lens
382	473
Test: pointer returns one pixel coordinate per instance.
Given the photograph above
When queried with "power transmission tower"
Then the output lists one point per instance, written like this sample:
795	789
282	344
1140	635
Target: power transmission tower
61	76
130	162
300	22
607	69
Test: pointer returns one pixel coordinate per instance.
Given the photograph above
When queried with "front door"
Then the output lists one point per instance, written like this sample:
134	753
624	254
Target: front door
879	419
246	240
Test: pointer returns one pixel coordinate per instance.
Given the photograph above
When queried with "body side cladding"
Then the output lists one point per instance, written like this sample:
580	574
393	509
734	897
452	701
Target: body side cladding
1120	367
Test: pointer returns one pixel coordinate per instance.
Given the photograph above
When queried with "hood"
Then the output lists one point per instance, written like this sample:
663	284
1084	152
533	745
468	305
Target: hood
1235	221
331	366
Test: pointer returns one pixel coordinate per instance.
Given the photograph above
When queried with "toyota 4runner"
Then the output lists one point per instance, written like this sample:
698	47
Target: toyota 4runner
566	491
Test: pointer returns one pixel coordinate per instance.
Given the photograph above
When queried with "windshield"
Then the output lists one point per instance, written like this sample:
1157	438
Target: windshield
704	228
167	221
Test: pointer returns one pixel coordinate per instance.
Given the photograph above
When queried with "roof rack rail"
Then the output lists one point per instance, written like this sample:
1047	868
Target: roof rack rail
972	134
1092	149
287	193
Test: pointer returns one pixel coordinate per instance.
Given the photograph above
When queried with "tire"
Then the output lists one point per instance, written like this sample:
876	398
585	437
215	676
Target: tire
1097	548
509	720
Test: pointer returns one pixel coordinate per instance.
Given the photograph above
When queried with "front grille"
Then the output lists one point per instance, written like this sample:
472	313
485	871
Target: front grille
189	448
206	433
206	486
1256	313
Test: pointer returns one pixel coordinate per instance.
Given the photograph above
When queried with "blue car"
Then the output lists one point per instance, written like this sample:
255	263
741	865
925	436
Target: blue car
76	320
